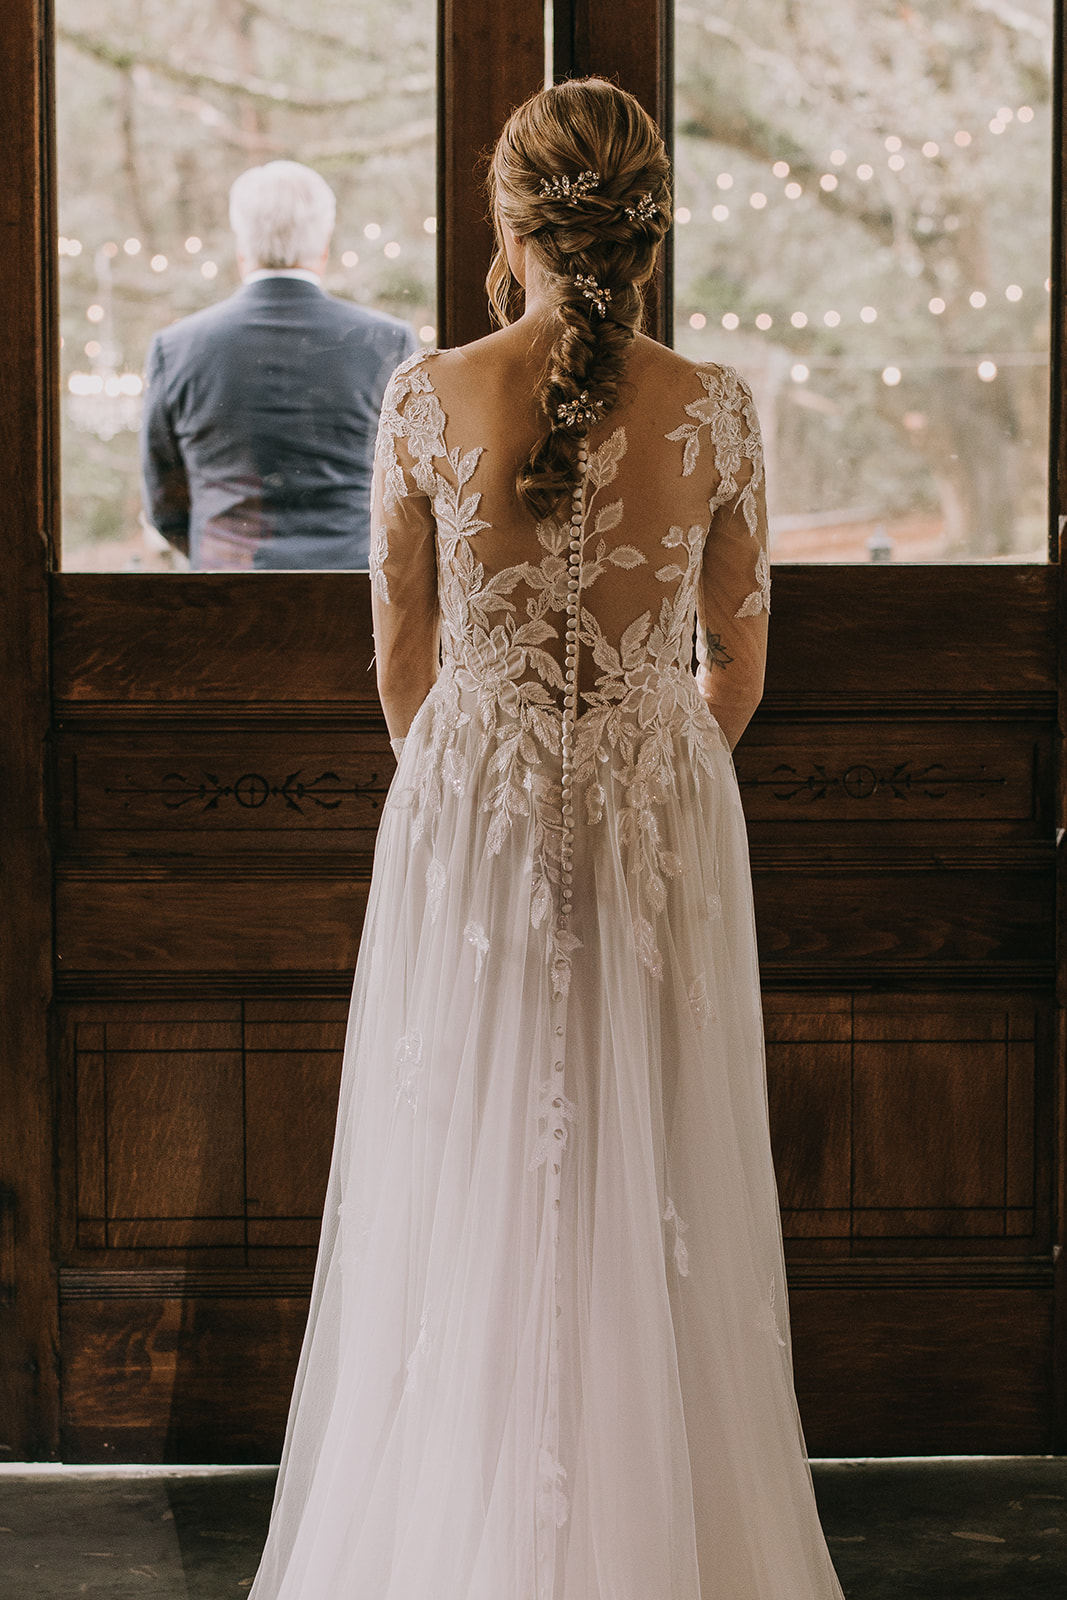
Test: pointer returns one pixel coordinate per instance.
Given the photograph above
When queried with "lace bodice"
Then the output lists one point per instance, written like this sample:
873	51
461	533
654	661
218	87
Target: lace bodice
598	600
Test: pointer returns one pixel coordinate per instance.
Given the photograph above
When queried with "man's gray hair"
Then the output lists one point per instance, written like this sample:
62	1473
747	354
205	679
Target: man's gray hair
282	214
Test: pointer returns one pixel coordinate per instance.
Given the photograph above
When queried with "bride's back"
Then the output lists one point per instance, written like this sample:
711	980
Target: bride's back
679	446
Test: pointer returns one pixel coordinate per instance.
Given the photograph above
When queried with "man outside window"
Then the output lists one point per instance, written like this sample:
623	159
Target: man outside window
261	412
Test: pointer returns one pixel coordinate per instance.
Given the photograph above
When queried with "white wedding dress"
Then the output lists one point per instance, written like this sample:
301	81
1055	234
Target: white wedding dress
547	1355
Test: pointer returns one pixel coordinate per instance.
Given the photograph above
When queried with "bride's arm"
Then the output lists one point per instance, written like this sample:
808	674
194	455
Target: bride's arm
733	598
403	564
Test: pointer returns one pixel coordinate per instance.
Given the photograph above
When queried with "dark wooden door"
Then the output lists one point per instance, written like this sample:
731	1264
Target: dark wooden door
192	773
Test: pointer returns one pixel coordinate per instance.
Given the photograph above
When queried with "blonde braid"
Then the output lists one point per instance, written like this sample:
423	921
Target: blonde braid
606	232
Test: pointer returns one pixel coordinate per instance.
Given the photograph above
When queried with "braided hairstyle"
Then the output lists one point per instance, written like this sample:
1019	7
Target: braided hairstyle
580	173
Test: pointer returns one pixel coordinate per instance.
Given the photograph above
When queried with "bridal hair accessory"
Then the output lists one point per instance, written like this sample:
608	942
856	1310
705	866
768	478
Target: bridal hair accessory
592	291
580	413
646	210
569	190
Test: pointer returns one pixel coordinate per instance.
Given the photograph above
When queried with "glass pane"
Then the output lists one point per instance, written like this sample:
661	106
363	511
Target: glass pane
161	104
863	229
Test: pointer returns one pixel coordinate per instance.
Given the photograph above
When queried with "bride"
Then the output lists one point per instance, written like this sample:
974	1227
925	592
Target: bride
547	1356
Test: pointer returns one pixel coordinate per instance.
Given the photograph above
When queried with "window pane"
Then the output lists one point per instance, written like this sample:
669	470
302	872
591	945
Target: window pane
160	105
863	229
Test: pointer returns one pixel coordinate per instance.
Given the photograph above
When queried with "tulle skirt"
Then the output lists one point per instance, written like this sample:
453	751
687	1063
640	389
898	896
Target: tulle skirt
547	1355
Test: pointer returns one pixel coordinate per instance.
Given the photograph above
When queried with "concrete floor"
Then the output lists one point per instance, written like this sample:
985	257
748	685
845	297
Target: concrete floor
961	1529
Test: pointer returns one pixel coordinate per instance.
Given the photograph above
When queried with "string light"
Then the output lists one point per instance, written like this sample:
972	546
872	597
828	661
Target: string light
731	321
698	320
372	231
799	319
111	249
893	144
781	169
209	270
828	181
429	225
977	299
763	321
132	247
720	213
868	314
793	191
757	201
1025	114
832	319
683	215
799	373
725	180
392	250
838	157
428	334
930	149
95	313
350	259
1013	292
864	172
962	138
194	245
891	376
158	263
92	349
936	306
987	371
896	163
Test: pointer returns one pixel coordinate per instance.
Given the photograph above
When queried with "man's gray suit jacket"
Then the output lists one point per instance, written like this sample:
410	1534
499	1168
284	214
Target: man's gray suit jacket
260	417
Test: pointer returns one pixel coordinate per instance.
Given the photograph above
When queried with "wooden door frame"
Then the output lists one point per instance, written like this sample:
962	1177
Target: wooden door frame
29	1379
489	61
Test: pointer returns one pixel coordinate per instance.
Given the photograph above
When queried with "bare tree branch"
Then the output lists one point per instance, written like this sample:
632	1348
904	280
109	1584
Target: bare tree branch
735	127
1016	18
302	30
329	151
256	89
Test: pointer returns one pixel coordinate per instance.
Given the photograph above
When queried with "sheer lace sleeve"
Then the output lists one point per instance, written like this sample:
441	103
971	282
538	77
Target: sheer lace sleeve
734	593
403	560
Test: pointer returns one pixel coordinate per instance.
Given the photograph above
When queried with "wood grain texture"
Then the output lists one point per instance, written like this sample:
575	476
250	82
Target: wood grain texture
492	57
204	925
29	1399
841	635
923	1370
224	639
178	1379
905	921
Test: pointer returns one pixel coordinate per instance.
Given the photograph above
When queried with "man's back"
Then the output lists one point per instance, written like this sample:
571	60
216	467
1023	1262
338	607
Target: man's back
261	415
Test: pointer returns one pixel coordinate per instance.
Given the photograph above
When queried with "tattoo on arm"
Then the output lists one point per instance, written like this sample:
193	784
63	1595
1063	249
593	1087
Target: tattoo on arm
718	655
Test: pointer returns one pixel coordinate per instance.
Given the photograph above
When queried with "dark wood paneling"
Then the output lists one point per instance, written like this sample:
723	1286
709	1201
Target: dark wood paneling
178	1379
29	1400
904	1122
909	1371
242	640
974	637
492	58
225	923
904	921
200	1129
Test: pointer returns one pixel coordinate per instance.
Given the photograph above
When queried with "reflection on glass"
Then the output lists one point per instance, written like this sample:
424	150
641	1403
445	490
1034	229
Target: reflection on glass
160	107
863	229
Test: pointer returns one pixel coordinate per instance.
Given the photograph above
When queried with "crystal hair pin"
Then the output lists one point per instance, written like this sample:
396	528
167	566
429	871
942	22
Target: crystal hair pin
580	413
569	190
594	293
646	210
